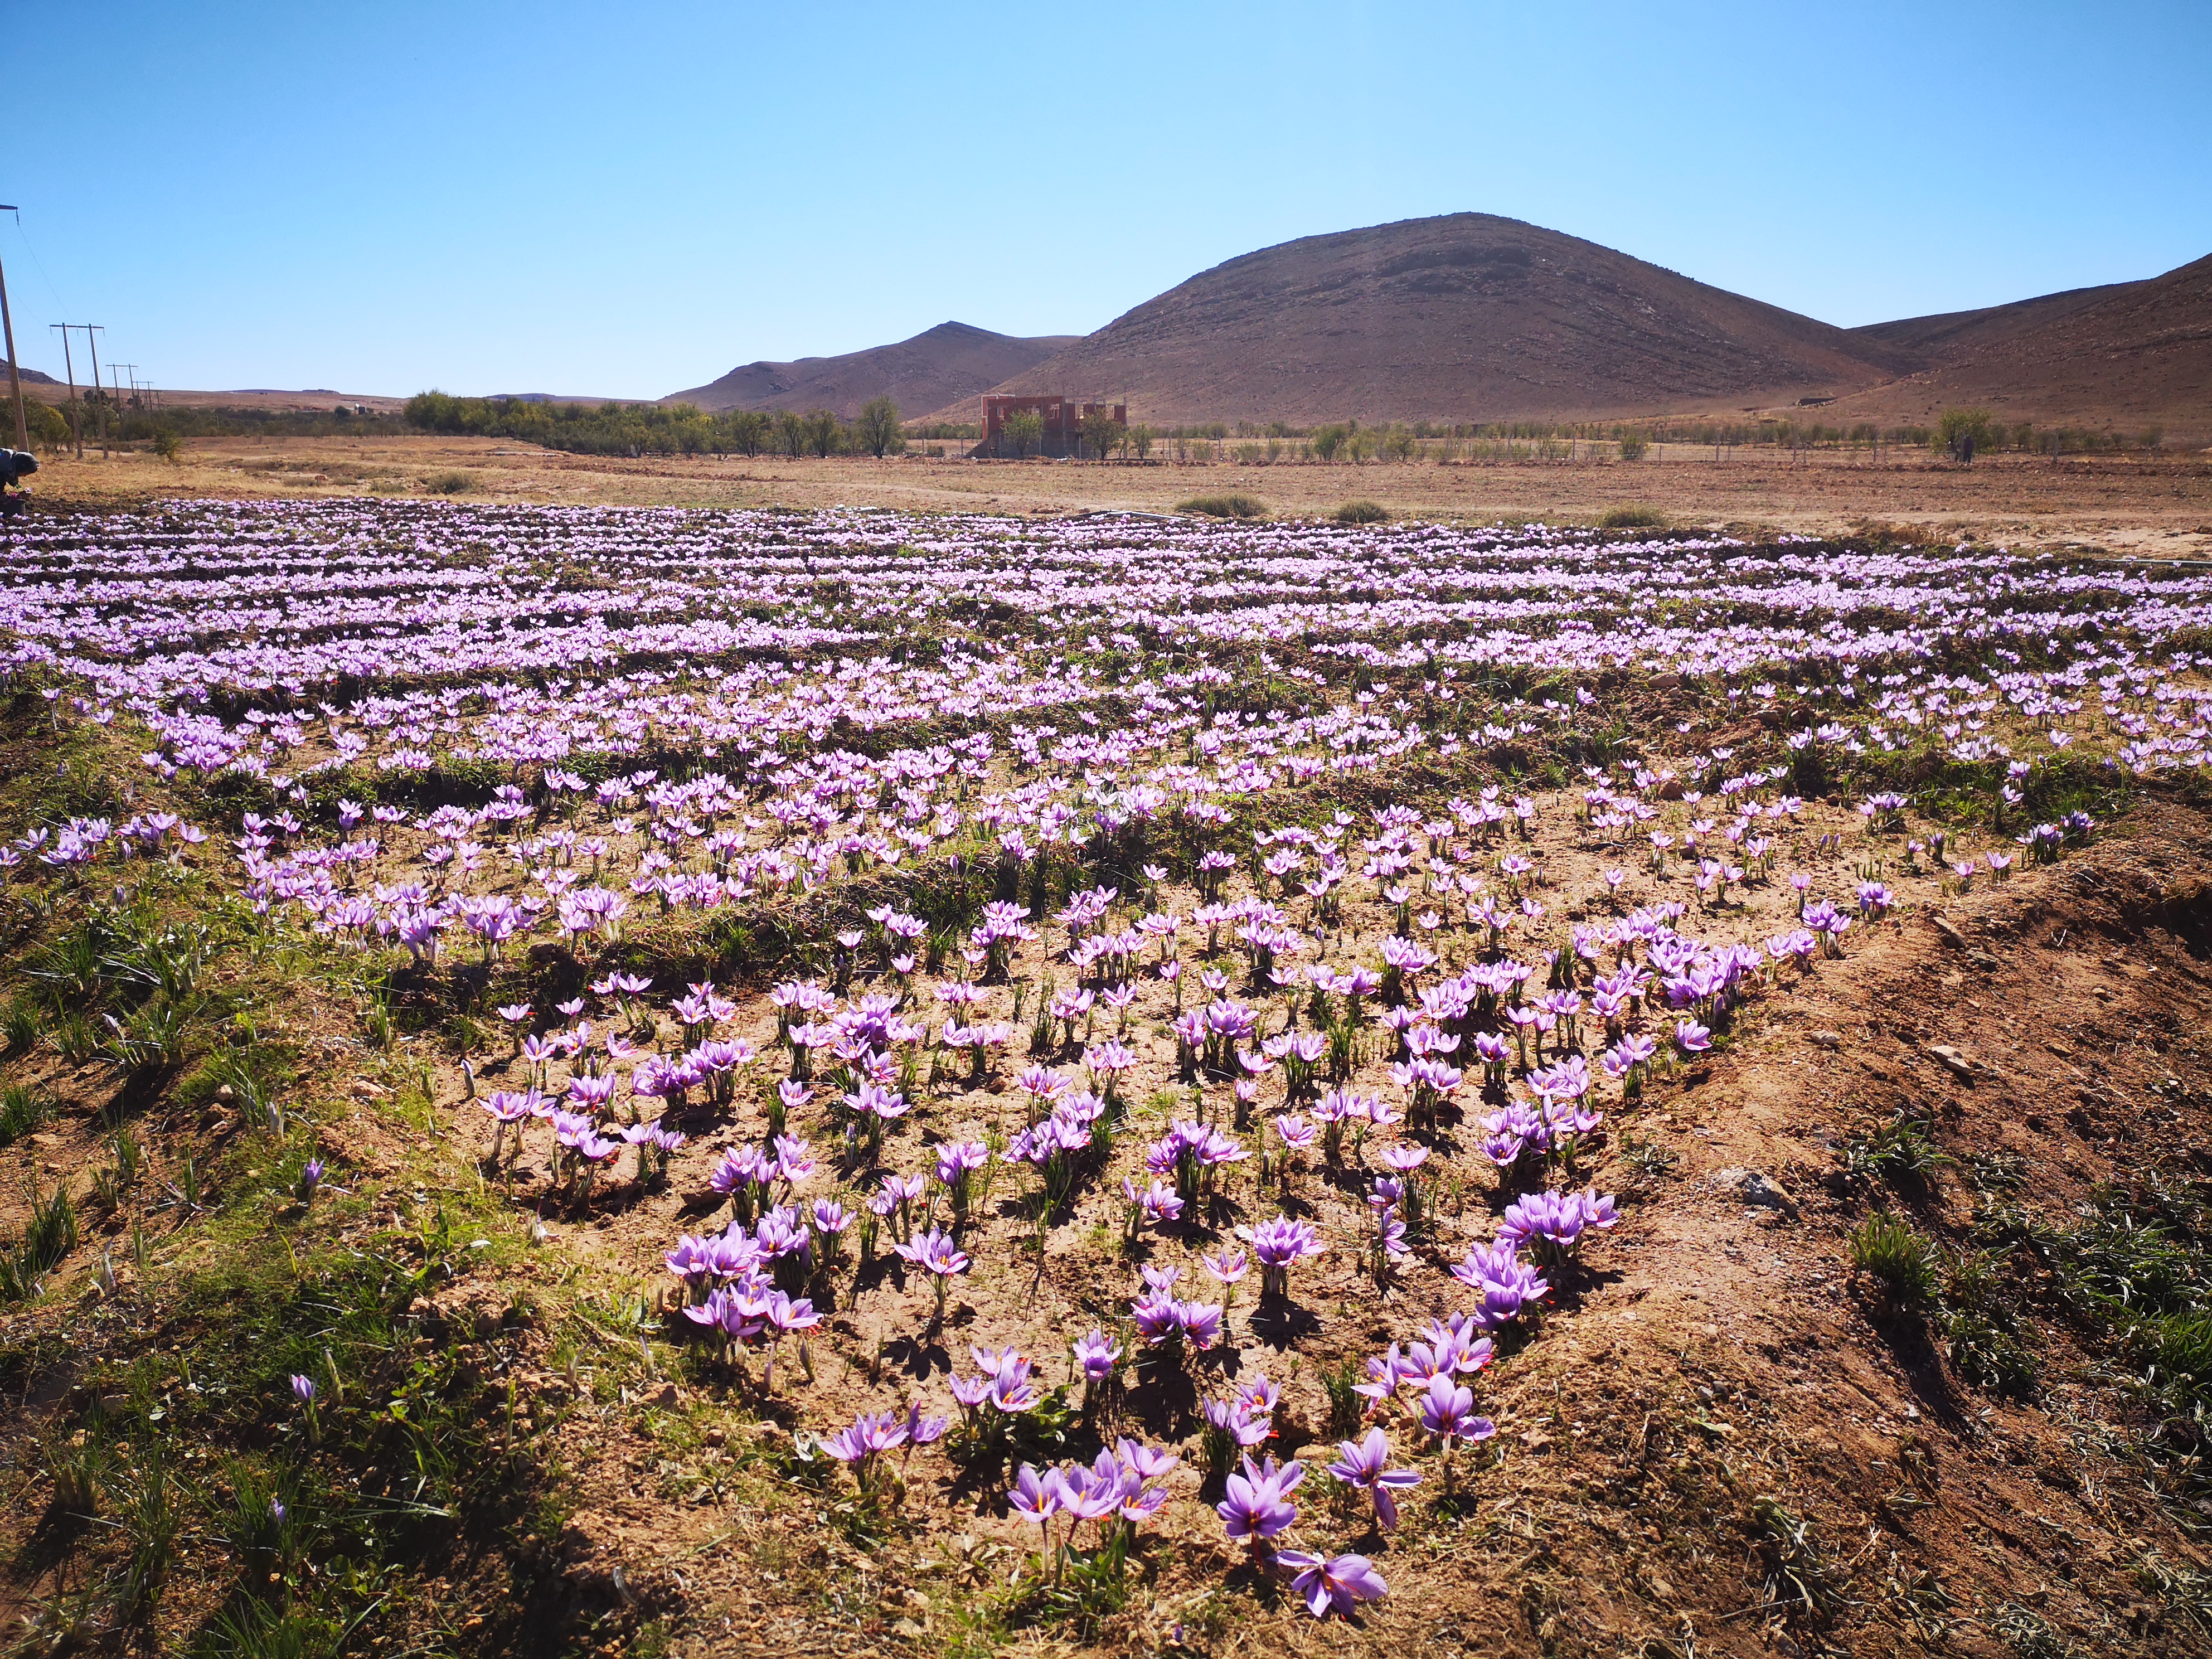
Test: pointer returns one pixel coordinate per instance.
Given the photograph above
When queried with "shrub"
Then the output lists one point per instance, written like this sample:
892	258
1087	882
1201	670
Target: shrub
1632	515
1900	1258
1225	507
1632	446
450	483
1363	513
169	447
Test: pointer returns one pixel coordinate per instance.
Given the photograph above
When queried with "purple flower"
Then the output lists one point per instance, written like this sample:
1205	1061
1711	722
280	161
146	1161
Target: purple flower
1258	1504
1363	1464
1096	1353
1034	1496
1335	1585
1447	1412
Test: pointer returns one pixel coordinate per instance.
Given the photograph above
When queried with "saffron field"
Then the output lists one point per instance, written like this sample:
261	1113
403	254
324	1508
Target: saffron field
1098	1036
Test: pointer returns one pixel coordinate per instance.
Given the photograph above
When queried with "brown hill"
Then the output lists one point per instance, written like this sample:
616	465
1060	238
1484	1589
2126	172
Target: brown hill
2136	354
28	376
948	364
1951	335
1469	317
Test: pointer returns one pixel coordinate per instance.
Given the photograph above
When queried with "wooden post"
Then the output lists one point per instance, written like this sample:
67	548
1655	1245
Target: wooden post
15	376
69	367
93	346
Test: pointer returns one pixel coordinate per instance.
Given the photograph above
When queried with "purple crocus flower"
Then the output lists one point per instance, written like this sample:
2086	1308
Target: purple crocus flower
1335	1585
1035	1496
1096	1353
1258	1504
1447	1412
1364	1464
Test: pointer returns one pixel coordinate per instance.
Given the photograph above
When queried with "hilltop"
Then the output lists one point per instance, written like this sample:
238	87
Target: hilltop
951	363
1468	317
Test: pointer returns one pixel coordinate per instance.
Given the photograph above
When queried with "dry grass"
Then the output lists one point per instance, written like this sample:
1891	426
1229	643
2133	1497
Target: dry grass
2161	509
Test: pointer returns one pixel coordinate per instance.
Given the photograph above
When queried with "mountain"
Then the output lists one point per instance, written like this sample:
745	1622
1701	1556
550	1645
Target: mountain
29	376
1468	317
941	366
1956	334
2130	356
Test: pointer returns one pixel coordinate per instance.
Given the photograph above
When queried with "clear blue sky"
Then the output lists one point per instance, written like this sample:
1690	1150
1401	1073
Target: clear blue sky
628	200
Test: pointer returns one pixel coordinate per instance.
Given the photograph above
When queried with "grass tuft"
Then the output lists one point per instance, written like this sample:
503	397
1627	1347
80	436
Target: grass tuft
1225	507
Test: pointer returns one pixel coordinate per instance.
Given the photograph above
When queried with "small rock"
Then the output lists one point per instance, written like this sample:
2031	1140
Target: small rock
1951	934
1951	1060
1754	1188
1824	1039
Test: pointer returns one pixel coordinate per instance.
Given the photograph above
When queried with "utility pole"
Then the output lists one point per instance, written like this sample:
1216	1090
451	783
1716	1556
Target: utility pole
93	346
15	375
69	367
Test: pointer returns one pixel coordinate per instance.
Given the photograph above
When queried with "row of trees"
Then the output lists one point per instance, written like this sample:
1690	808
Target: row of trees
662	429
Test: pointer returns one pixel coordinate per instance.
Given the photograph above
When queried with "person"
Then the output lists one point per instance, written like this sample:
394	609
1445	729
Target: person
1966	448
16	466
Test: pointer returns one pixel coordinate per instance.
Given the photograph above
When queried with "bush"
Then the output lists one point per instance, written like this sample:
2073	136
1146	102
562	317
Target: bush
1900	1258
1632	446
1632	515
168	446
450	483
1225	507
1363	513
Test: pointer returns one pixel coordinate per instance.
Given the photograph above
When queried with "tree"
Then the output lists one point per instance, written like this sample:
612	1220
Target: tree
1329	440
1140	439
790	435
48	429
1101	432
877	430
1024	430
825	434
748	431
1957	428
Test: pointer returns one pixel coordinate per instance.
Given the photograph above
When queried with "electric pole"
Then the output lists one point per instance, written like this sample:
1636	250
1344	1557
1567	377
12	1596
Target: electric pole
15	375
93	346
69	367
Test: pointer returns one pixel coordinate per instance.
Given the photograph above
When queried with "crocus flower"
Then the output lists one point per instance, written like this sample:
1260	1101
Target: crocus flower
1257	1505
1447	1412
1335	1585
1096	1353
1364	1464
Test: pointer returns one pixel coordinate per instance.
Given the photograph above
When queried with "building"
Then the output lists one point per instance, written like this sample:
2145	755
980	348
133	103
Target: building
1062	416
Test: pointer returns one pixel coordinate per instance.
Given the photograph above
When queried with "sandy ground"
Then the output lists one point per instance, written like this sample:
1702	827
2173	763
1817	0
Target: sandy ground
2159	508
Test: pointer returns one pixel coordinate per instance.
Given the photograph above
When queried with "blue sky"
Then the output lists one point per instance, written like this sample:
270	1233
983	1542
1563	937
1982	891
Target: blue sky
626	201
